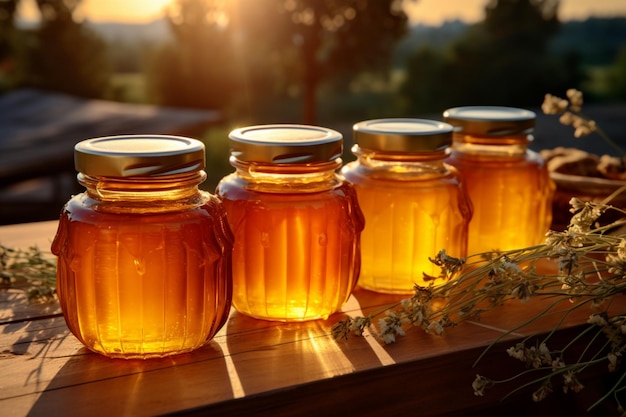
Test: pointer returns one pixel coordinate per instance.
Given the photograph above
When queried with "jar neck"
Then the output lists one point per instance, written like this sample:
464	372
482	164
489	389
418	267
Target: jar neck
426	163
158	189
285	178
512	145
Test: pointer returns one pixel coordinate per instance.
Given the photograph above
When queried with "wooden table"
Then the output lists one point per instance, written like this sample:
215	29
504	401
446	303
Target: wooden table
255	367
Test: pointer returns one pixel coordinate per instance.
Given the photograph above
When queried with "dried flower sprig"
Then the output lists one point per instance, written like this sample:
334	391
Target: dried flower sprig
570	111
29	270
591	271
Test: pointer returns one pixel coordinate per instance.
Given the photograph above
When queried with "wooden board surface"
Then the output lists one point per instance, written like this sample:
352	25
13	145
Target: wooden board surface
253	367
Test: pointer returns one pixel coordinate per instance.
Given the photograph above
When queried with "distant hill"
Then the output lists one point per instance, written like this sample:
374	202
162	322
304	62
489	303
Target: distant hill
596	40
155	31
420	36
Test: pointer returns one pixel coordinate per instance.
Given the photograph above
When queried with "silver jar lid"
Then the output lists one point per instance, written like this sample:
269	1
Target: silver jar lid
403	135
138	155
491	120
285	144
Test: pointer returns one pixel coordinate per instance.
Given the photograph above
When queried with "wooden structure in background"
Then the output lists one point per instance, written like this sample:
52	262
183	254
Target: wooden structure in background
38	130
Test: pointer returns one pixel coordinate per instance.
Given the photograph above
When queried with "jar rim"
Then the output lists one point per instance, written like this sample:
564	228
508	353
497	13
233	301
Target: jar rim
491	121
285	144
403	135
139	155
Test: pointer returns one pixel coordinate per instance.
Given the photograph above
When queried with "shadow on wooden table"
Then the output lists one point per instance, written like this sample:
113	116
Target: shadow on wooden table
440	382
90	384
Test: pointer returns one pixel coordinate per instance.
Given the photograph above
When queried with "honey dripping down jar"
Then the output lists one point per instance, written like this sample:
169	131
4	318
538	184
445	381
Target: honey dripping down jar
414	204
296	223
509	184
144	256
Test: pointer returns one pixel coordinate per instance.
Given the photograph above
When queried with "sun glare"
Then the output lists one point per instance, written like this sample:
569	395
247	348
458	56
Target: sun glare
124	10
133	11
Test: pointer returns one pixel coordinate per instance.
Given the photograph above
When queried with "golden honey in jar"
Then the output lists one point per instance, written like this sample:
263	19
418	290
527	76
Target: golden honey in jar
414	204
144	256
296	223
509	184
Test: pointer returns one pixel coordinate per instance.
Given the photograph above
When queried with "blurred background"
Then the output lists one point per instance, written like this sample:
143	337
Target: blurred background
204	67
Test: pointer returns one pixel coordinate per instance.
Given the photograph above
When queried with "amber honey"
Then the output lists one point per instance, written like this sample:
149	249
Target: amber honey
509	199
144	266
509	184
414	205
294	255
296	225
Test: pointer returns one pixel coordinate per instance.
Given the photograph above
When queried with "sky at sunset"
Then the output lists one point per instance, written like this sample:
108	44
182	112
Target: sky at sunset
422	11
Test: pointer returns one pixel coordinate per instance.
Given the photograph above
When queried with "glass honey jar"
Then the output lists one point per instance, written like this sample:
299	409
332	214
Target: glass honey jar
414	204
144	256
509	184
296	223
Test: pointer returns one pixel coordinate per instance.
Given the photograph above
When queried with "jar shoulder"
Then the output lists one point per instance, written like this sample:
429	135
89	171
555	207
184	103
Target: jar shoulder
234	187
82	207
405	175
529	158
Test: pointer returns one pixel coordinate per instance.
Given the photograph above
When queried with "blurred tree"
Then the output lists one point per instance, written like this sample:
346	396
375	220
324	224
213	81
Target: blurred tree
66	55
310	42
503	60
517	34
616	79
8	44
61	54
198	69
429	72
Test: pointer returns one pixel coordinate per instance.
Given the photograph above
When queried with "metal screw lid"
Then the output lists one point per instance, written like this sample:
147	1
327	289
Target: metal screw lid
138	155
285	144
490	120
403	135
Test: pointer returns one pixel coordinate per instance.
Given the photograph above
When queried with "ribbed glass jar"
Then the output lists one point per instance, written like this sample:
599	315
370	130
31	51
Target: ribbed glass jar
509	184
414	204
144	256
297	224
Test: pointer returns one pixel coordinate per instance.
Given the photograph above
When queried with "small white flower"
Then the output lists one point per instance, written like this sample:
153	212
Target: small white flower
566	118
517	351
553	104
571	382
544	390
388	338
558	363
612	357
480	384
435	327
575	99
598	320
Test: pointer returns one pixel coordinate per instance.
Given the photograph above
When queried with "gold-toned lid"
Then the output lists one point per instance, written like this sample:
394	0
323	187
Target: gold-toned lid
403	135
285	144
138	155
490	120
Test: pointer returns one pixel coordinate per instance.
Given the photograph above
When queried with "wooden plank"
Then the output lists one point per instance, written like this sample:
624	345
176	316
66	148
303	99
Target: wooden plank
255	367
25	235
14	306
265	362
50	369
